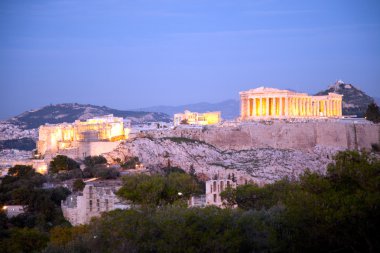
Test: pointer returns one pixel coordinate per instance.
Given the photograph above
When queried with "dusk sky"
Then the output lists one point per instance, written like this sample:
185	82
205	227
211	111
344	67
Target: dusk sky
138	53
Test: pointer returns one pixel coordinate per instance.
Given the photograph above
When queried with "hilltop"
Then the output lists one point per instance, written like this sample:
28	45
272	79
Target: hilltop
355	101
59	113
25	126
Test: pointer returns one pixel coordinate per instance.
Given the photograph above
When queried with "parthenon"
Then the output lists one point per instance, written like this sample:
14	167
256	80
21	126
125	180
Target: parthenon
265	102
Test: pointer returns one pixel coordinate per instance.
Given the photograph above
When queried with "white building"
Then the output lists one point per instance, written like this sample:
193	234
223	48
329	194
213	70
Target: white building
196	118
214	188
13	210
97	197
82	138
212	196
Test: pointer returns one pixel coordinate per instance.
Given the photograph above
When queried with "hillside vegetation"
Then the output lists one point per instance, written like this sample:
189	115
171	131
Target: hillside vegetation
335	212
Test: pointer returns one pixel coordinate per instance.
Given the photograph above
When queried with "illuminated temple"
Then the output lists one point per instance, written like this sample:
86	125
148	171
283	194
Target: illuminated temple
274	103
82	138
195	118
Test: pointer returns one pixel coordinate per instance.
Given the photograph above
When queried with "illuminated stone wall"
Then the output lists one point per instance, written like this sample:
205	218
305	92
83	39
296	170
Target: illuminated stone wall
329	133
68	138
195	118
274	103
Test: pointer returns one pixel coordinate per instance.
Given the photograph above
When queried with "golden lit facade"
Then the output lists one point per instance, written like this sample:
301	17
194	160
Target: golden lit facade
195	118
274	103
54	138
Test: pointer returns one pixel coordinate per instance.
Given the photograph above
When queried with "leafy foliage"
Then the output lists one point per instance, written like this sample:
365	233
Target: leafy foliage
27	232
333	212
373	113
91	161
158	189
62	163
173	229
131	163
338	211
24	240
101	171
78	185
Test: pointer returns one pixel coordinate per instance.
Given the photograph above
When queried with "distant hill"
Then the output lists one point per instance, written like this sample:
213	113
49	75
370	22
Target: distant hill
21	132
230	108
355	101
54	114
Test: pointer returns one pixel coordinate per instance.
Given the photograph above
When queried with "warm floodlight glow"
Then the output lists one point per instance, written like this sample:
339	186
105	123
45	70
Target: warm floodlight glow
275	103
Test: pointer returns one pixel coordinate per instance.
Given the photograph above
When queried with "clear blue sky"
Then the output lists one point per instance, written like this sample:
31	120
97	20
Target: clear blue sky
137	53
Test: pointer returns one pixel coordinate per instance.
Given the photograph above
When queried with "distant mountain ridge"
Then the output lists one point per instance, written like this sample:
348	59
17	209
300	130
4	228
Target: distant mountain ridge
69	112
230	108
21	132
355	101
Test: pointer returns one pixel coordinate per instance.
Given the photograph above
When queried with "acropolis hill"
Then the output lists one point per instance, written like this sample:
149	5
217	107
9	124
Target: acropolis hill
263	151
279	133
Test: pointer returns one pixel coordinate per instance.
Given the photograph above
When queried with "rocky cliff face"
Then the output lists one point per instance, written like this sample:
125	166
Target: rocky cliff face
298	135
261	151
261	165
355	101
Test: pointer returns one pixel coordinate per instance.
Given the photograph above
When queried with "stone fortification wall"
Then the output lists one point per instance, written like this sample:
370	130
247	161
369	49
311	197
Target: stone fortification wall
283	135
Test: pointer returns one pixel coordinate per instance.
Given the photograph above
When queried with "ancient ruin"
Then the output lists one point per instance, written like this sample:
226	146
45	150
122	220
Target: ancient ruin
195	118
79	139
265	102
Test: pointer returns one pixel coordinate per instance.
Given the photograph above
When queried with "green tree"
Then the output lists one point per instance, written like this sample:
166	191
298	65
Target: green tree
158	189
19	181
229	196
24	240
91	161
62	163
78	185
131	163
101	171
373	113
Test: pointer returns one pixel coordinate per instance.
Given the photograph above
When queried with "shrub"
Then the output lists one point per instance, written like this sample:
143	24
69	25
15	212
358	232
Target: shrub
62	163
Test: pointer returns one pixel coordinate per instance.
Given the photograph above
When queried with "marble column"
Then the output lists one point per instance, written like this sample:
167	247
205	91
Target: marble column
274	110
298	106
330	108
333	108
286	106
318	114
290	112
267	106
254	107
248	107
280	108
303	106
261	107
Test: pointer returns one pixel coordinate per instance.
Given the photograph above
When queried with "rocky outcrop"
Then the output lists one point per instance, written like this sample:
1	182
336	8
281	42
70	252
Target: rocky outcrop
300	135
261	165
355	101
259	151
